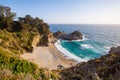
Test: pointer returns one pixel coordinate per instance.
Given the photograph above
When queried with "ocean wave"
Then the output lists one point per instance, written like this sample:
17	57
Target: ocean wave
107	48
68	54
86	46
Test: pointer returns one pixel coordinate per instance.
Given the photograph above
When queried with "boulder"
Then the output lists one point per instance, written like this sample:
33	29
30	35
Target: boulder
60	67
115	50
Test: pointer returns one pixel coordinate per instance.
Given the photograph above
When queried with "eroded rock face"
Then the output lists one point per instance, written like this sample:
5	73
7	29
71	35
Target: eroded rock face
0	40
98	69
115	50
51	38
59	33
36	40
76	35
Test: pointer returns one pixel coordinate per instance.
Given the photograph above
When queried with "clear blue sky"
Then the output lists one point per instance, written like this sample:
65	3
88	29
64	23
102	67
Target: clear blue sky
68	11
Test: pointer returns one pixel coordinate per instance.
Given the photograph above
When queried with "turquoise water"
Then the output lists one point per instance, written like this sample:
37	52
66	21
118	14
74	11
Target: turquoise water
97	39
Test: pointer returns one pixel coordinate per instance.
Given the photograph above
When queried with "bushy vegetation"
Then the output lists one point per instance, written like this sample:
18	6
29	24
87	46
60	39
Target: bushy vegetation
105	68
15	68
15	65
17	42
16	37
10	62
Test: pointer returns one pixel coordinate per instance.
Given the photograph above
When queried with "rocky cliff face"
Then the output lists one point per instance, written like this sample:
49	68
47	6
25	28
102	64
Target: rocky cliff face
76	35
0	40
51	38
59	33
115	50
35	41
105	68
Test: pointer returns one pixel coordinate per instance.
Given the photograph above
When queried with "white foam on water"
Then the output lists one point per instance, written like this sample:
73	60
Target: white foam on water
107	47
84	38
87	46
68	54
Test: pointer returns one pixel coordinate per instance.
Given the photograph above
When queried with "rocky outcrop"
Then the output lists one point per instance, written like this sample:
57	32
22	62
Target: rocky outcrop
106	67
59	33
35	41
115	50
51	38
76	35
0	40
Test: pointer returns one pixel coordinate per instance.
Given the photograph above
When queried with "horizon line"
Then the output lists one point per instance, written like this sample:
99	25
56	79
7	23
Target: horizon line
87	23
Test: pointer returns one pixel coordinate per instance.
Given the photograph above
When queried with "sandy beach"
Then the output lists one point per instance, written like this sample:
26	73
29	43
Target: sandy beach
48	57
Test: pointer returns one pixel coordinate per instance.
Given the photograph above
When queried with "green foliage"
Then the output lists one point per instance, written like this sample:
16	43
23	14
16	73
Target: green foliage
6	17
105	68
17	42
14	67
15	64
23	29
17	37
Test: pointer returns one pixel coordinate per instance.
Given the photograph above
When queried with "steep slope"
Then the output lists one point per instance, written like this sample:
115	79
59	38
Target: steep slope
17	37
105	68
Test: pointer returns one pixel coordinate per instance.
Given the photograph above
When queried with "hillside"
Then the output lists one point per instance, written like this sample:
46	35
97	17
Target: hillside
105	68
21	35
17	37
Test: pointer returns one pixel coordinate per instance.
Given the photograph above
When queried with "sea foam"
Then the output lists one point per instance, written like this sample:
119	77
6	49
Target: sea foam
86	46
68	54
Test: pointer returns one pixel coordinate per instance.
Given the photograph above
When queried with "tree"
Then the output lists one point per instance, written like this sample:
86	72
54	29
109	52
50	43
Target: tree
6	17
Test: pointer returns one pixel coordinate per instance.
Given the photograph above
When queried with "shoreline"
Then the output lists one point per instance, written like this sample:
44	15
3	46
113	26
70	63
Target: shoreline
68	54
49	57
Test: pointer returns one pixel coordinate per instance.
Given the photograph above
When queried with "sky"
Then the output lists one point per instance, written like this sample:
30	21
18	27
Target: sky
68	11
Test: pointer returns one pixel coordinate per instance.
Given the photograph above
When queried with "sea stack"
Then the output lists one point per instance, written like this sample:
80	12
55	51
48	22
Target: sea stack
76	35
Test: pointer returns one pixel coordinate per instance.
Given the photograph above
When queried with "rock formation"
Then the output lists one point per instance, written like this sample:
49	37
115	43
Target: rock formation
107	67
51	38
59	33
115	50
35	41
76	35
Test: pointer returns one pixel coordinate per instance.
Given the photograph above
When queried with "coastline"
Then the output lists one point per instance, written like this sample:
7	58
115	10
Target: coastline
67	54
48	57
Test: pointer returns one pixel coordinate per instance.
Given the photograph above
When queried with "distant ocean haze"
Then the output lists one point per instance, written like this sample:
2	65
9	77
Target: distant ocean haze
97	40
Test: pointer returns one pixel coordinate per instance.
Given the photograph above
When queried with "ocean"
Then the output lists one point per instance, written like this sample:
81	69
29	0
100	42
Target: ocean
97	40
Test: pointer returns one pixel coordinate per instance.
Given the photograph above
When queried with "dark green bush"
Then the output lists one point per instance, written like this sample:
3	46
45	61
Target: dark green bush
15	64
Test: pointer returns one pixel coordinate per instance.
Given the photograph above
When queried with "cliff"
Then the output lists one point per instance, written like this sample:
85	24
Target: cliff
76	35
17	37
51	38
115	50
105	68
36	40
59	33
26	33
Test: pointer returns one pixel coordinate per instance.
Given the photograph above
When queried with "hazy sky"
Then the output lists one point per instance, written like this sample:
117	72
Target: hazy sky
68	11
